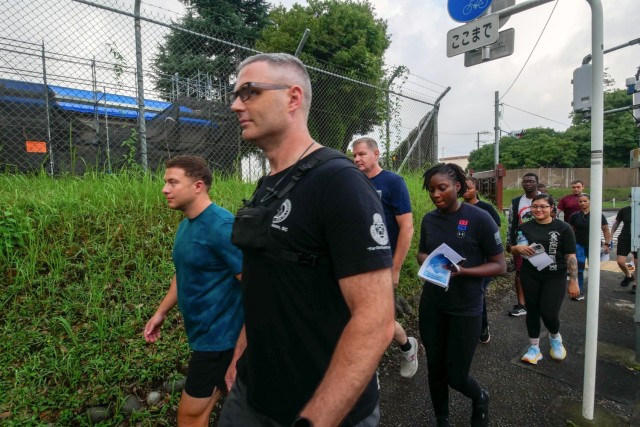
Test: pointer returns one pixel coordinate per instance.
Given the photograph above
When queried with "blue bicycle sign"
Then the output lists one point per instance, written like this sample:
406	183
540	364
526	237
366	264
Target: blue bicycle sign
467	10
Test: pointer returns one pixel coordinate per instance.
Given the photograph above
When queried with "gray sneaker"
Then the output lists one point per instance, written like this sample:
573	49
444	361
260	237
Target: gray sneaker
409	360
518	310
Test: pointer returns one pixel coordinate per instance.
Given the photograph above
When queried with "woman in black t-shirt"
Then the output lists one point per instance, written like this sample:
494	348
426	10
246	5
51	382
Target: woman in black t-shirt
544	289
580	223
450	319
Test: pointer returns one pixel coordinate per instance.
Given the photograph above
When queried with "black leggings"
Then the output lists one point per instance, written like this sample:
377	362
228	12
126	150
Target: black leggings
450	342
543	296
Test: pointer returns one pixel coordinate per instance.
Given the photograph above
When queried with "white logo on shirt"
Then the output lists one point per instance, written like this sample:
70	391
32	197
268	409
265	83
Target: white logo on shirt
378	230
283	212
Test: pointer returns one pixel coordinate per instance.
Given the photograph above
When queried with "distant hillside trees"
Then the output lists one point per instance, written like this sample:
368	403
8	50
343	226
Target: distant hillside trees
545	147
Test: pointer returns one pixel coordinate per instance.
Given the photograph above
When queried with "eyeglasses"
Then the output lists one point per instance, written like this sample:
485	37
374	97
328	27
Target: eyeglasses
539	207
529	181
247	90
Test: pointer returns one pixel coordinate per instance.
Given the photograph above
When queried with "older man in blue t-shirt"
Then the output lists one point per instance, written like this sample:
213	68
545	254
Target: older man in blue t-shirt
399	220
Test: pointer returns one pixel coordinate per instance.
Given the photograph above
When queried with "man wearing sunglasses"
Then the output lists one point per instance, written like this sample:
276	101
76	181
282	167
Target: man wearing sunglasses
314	331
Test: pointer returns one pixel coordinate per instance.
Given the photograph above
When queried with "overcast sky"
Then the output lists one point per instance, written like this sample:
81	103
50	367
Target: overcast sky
418	31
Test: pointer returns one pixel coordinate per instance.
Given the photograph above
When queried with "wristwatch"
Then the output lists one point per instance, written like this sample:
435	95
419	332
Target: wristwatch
302	422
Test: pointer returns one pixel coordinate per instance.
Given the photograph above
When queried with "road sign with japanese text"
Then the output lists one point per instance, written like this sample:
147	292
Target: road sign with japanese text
467	10
473	35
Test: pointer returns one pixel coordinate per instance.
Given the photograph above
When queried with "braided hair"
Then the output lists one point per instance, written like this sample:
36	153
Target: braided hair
453	171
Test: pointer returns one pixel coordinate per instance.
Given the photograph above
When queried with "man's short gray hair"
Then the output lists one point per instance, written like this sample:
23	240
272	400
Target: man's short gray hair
297	72
371	143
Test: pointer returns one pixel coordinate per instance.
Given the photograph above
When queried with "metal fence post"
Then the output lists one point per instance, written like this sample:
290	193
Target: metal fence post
142	125
47	108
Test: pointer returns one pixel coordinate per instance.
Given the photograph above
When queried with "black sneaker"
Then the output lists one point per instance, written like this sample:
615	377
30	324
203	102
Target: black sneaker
480	413
518	310
442	421
485	336
625	282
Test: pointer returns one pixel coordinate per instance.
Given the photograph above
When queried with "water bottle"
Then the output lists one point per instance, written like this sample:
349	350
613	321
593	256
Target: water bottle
521	240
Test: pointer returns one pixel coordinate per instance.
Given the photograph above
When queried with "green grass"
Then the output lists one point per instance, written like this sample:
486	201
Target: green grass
84	262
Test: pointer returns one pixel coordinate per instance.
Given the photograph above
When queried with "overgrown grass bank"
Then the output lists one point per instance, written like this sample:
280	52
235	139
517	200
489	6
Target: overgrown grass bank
83	264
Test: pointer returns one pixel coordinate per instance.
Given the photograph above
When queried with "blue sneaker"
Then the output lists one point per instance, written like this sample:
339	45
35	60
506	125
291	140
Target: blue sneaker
558	351
533	355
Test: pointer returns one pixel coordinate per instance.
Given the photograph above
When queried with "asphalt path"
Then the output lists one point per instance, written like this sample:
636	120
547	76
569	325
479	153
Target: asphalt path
548	394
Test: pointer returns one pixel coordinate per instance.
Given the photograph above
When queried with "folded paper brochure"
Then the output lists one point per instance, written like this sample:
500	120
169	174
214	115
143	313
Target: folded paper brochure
437	267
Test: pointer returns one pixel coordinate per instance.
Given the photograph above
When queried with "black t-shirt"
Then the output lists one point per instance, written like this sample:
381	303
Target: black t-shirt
624	216
488	207
580	223
472	233
558	240
295	313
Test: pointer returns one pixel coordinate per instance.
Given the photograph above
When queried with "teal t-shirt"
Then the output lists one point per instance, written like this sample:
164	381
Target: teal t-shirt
209	295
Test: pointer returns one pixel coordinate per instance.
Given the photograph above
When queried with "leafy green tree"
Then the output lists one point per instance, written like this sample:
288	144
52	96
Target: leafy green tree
620	131
191	56
347	36
572	148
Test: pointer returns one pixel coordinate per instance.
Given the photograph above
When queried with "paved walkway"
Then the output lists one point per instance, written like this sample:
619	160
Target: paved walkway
548	394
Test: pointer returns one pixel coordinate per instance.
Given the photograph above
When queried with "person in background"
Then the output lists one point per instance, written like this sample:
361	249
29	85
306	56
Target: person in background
569	203
544	289
450	319
624	245
519	213
399	220
205	286
316	275
580	223
471	197
542	188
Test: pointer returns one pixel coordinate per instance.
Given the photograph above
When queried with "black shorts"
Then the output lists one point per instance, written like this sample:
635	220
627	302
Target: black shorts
624	247
206	372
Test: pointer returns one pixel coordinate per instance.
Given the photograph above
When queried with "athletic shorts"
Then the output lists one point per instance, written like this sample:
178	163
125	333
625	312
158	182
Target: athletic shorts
624	247
206	372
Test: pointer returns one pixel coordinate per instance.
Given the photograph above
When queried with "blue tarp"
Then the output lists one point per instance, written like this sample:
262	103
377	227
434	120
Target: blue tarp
88	102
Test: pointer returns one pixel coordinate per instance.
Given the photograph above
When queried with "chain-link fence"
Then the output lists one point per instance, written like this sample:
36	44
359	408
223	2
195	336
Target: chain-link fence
90	85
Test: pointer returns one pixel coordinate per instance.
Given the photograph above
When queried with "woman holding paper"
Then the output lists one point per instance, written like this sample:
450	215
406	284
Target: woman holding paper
580	223
450	317
544	288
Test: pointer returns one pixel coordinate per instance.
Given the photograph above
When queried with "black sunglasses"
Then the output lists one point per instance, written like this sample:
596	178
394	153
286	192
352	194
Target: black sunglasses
247	90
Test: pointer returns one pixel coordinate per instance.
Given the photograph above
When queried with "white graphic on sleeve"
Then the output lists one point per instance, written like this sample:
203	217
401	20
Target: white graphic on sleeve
378	230
553	249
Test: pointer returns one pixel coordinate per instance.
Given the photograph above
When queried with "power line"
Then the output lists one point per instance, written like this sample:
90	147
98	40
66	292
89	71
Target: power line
537	115
532	50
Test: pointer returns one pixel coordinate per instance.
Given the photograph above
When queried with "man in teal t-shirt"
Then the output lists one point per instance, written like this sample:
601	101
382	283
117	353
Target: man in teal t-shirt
205	286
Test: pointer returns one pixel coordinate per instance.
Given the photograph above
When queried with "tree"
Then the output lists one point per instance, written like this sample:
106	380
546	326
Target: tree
345	35
572	148
620	131
193	57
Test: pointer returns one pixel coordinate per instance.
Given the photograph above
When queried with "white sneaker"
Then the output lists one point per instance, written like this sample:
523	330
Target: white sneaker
409	360
558	351
532	355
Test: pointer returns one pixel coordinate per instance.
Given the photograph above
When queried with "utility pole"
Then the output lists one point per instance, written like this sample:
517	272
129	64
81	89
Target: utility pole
496	129
482	132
